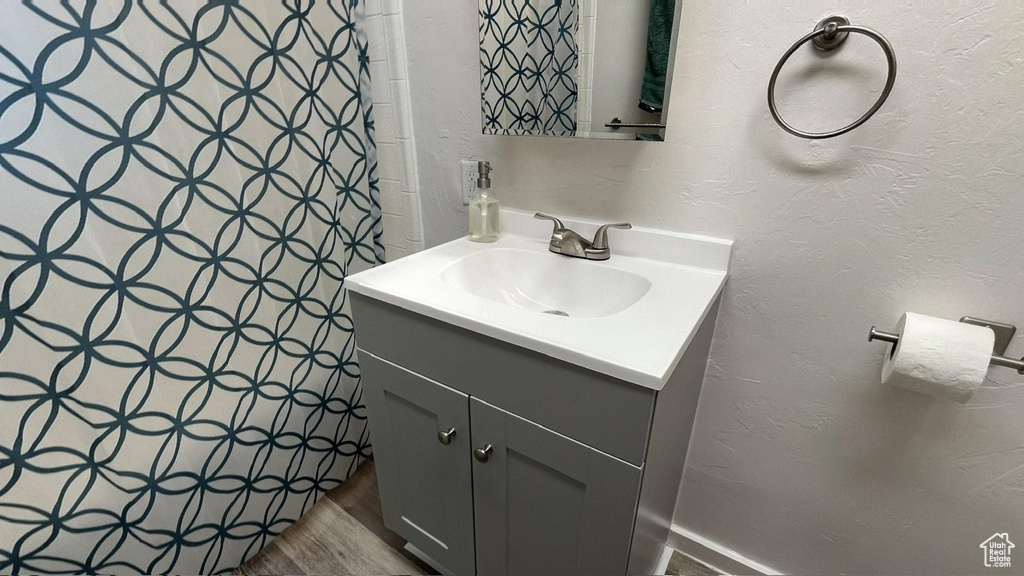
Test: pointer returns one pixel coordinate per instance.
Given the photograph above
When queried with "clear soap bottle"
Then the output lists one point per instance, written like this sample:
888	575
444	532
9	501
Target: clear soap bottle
483	208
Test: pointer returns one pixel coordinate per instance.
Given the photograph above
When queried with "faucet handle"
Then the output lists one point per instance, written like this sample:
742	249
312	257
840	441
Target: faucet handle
601	238
558	223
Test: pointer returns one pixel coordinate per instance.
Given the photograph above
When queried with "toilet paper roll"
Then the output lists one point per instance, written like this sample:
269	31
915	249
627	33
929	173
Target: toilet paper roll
939	357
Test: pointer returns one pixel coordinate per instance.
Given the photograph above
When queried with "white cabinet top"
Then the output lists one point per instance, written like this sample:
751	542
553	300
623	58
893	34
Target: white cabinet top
630	317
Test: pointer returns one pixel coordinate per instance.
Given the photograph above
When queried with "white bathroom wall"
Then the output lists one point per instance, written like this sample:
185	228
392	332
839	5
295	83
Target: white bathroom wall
620	54
392	114
800	458
586	42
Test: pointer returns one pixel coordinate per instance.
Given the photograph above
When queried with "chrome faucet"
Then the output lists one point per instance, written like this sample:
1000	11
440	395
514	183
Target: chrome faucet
569	243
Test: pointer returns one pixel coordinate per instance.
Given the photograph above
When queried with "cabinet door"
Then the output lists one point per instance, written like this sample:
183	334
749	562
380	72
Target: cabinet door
426	486
546	504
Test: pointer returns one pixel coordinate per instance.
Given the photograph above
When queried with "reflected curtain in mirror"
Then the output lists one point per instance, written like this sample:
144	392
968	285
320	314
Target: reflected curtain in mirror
529	60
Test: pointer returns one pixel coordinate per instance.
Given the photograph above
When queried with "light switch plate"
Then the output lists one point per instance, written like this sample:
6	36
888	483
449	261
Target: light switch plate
469	175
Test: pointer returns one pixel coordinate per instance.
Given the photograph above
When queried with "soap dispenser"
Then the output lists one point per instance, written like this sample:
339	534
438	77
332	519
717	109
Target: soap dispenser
483	208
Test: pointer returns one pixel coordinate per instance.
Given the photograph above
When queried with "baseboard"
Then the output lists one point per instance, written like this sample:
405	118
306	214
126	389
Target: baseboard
722	559
666	558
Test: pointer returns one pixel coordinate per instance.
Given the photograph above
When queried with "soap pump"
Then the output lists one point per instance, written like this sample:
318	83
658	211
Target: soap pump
483	208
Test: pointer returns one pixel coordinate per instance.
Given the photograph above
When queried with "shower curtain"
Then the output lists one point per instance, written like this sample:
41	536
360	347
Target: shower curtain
529	62
184	187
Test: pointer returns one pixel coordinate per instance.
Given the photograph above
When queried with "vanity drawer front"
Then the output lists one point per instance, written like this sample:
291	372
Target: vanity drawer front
600	411
426	486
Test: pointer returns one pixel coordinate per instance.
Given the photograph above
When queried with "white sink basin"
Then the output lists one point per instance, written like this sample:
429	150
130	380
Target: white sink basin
546	282
630	317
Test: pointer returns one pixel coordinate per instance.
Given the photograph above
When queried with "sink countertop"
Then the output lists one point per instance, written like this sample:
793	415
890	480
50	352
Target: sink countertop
640	344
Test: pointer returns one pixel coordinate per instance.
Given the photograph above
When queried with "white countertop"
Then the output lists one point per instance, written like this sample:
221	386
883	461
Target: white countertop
640	344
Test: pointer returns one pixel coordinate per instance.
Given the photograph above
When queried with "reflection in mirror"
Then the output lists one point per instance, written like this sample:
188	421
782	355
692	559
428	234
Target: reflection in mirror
576	68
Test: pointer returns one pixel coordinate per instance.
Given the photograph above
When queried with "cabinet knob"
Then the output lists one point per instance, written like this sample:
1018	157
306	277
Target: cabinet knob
445	437
483	454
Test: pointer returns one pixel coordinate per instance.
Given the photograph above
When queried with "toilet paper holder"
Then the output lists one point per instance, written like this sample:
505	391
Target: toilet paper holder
1004	334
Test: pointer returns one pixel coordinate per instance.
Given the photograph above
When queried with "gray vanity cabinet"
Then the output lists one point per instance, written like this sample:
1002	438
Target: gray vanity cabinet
551	468
426	487
546	504
543	503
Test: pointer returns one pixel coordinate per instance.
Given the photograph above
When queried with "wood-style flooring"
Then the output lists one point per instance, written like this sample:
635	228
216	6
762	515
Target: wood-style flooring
344	533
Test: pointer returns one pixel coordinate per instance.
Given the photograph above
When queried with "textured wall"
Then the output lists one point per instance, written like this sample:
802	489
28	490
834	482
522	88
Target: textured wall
183	189
800	458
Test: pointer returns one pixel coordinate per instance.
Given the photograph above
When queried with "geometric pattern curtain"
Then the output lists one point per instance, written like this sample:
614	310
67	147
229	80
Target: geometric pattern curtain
529	62
184	187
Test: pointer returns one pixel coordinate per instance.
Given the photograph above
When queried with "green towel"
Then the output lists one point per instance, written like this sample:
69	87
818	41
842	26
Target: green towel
659	42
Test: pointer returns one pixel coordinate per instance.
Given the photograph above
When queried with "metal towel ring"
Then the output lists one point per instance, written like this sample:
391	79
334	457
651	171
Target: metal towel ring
828	35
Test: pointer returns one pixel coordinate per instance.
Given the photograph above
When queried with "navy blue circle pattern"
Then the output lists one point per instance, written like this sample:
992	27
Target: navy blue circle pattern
528	62
184	187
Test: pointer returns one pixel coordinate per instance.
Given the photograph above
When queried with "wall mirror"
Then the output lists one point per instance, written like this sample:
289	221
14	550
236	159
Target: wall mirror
577	68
